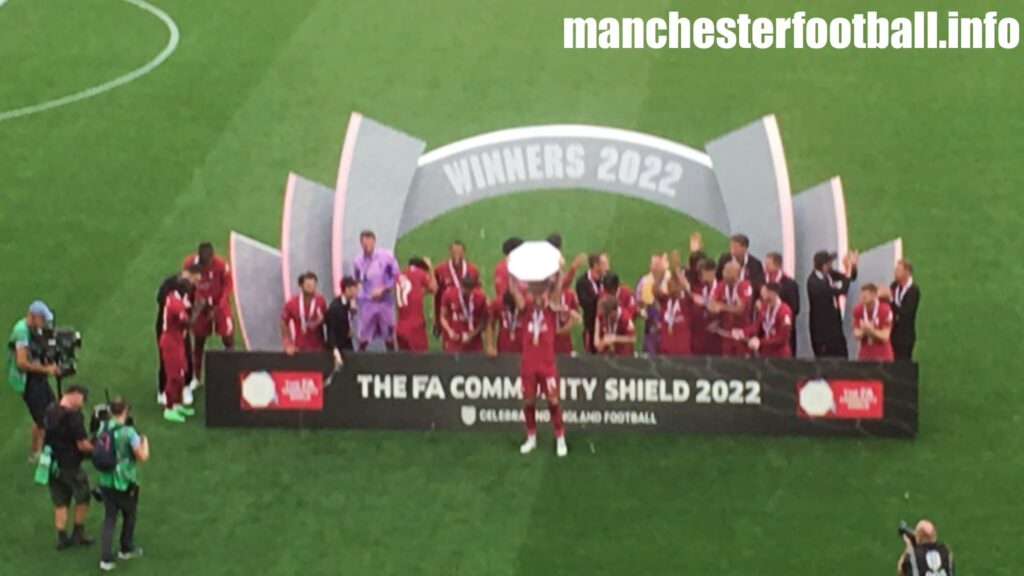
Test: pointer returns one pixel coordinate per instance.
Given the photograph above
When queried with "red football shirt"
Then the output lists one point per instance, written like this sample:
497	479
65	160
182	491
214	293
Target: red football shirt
619	323
449	274
740	292
537	325
675	323
880	317
569	301
305	320
410	289
507	321
702	342
501	278
626	300
175	321
772	326
463	315
214	284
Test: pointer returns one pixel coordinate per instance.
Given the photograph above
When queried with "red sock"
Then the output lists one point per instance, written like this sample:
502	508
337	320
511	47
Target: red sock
530	412
556	420
197	357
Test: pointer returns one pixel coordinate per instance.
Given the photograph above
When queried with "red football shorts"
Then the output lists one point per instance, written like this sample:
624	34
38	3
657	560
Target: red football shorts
412	339
215	320
543	380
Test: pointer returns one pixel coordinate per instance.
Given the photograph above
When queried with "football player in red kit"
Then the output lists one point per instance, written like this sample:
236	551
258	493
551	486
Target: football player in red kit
502	333
731	302
538	369
413	283
768	336
676	318
624	294
176	321
703	341
501	268
872	325
463	317
568	317
614	332
450	273
302	320
212	305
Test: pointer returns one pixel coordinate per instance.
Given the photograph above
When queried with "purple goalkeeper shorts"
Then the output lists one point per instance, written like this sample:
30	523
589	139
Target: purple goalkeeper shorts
376	321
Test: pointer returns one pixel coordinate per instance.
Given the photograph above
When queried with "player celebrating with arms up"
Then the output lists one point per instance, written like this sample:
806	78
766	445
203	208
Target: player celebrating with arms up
538	263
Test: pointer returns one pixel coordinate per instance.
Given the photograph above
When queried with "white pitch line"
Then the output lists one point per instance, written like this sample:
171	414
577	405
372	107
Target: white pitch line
172	45
2	2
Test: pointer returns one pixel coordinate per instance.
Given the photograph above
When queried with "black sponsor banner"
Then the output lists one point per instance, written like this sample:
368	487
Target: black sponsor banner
710	395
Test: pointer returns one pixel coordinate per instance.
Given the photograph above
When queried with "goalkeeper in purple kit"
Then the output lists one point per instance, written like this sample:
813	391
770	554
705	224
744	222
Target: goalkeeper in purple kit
376	270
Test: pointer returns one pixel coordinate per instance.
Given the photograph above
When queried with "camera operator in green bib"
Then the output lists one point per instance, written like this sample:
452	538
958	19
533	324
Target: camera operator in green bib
26	374
120	486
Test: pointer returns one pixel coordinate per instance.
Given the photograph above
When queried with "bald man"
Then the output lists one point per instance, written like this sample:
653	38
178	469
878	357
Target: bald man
925	556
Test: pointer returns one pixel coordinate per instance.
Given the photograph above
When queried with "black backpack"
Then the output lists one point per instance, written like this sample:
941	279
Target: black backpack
104	452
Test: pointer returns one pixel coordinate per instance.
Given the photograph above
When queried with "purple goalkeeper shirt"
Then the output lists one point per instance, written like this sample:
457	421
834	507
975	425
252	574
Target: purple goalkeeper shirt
377	269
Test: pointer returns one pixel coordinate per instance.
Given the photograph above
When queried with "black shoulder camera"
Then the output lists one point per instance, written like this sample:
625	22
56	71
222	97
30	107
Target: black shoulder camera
907	532
101	413
58	346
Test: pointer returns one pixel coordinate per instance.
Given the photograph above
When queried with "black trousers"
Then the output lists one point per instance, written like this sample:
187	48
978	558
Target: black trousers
831	348
903	347
125	504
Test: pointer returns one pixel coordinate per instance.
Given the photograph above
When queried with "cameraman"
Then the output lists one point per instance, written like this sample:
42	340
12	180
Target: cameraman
68	442
119	486
26	374
925	555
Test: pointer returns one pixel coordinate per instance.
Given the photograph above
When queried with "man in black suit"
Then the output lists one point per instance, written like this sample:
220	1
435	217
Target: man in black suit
906	296
588	291
789	291
824	288
341	319
751	269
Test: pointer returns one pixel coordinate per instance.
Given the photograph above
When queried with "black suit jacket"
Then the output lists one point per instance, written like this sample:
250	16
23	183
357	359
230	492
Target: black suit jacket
904	324
826	320
588	303
338	321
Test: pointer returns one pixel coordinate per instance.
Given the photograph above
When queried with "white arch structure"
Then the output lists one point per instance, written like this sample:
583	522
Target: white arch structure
386	183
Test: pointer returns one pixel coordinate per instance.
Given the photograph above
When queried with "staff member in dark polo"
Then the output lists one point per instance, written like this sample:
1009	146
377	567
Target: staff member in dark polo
905	297
751	269
27	375
69	443
824	288
340	319
925	555
588	291
789	291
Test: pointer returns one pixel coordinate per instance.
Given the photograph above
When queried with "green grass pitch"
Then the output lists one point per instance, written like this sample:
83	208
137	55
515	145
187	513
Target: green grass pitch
101	199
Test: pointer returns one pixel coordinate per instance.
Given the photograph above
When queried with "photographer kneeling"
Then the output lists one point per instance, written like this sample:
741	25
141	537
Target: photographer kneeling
68	443
925	555
118	447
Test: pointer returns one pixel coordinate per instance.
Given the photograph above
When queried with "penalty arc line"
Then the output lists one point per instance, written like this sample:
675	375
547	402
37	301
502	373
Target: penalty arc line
172	45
